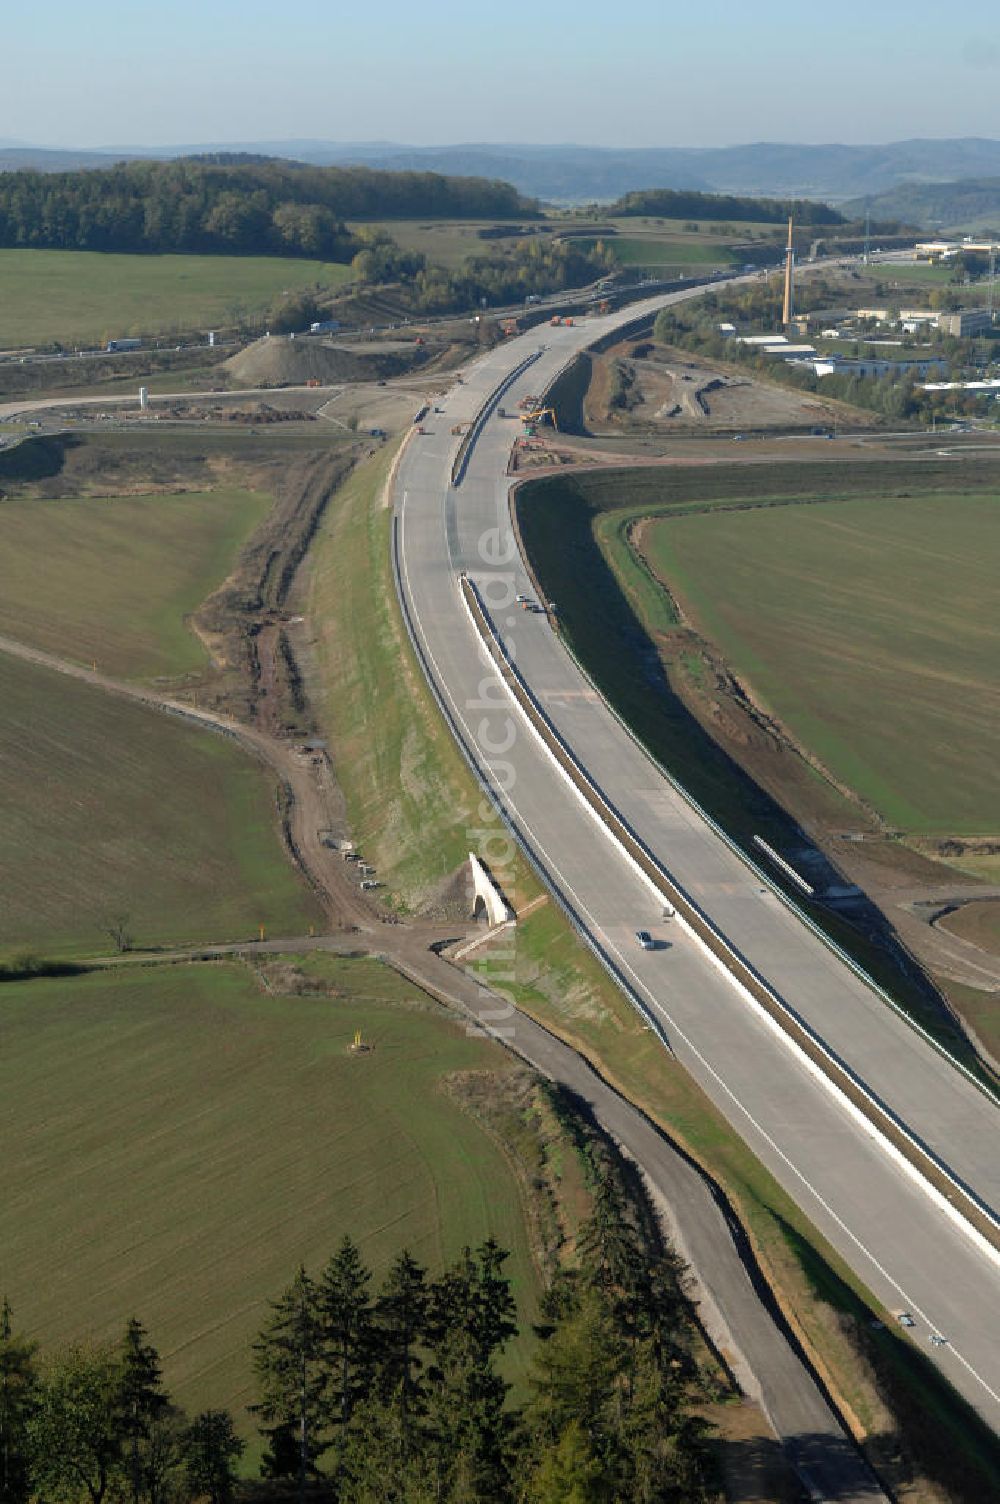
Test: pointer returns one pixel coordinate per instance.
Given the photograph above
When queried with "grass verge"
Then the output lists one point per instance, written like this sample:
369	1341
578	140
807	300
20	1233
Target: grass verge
411	799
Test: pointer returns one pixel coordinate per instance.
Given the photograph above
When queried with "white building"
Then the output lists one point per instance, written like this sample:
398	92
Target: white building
873	369
962	386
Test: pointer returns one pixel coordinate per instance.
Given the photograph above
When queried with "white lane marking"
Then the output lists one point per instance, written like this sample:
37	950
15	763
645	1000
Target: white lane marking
609	944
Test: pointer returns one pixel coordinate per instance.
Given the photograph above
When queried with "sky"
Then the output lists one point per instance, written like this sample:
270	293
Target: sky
650	73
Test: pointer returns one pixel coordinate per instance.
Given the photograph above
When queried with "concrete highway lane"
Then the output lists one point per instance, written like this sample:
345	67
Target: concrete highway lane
905	1247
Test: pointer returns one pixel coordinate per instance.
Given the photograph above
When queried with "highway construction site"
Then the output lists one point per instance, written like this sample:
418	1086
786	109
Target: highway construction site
674	411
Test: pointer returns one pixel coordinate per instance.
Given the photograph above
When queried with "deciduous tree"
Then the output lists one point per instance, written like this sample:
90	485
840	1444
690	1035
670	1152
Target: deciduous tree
18	1388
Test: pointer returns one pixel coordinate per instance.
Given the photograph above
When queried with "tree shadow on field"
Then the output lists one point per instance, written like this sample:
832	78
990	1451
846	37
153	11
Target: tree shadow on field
36	458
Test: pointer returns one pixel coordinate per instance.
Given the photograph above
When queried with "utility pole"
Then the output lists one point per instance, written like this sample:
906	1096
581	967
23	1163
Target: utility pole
788	312
868	234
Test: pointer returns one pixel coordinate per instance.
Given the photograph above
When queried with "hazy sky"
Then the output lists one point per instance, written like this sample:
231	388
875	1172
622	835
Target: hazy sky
646	73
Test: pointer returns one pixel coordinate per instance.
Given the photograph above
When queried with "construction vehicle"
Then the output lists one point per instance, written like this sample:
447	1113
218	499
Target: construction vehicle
539	416
555	321
458	428
527	402
568	323
509	327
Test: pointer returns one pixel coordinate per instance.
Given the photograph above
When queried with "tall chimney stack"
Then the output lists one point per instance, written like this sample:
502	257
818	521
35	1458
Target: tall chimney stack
788	312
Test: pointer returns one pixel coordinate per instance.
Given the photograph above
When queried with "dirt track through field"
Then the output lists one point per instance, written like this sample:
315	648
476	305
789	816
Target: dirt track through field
303	777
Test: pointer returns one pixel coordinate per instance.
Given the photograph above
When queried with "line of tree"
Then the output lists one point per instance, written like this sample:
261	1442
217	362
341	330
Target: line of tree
95	1423
671	203
537	266
397	1398
230	205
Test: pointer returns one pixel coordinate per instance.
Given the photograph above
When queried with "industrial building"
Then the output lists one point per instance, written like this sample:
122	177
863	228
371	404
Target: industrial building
947	250
872	369
968	323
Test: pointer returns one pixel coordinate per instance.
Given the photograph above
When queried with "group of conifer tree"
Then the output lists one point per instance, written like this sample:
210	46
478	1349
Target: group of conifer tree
396	1396
95	1423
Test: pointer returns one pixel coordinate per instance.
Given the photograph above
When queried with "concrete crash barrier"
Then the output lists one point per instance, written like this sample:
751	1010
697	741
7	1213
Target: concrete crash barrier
476	426
976	1219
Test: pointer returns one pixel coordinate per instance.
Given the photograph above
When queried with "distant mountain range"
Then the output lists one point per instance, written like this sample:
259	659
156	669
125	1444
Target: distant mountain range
579	174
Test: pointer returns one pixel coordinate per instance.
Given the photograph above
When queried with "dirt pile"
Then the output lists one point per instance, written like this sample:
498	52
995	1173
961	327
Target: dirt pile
279	360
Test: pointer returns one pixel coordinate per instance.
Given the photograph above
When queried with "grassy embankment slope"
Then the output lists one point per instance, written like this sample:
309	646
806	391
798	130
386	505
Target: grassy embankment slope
866	627
376	695
411	800
82	297
178	1139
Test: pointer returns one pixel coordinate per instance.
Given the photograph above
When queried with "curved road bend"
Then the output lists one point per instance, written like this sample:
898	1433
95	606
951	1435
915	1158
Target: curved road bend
909	1251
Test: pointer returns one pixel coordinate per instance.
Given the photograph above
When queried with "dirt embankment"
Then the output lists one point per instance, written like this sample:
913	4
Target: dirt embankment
17	380
243	623
639	385
286	360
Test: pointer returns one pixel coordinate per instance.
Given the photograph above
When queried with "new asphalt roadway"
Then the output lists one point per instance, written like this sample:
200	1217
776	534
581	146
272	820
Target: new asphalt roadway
907	1245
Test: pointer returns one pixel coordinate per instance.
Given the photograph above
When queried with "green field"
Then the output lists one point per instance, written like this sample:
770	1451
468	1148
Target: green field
869	628
111	808
449	242
648	250
111	578
177	1141
85	297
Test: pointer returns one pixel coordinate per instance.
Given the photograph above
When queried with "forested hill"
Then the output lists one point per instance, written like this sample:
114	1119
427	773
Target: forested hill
971	202
669	203
232	205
